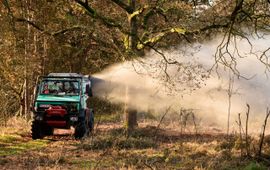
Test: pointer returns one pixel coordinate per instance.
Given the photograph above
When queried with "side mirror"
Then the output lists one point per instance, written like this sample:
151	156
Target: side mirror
88	90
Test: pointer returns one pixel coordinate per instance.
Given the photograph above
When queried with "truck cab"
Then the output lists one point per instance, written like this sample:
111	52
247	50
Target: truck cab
60	102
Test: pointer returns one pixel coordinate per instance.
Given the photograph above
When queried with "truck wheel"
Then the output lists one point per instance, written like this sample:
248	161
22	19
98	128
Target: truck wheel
91	121
36	130
80	130
47	130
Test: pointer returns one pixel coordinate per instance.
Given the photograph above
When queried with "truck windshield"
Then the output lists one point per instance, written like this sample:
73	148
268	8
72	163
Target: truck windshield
60	87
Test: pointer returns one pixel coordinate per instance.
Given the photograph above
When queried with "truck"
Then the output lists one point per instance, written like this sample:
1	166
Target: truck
60	101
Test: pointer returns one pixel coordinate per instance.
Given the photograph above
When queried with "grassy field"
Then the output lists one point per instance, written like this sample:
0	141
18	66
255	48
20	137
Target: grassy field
109	148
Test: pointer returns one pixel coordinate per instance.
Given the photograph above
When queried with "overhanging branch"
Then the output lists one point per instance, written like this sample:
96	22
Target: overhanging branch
32	23
41	29
93	13
124	6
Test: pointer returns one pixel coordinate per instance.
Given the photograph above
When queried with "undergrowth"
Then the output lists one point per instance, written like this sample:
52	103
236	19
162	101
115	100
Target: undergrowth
148	147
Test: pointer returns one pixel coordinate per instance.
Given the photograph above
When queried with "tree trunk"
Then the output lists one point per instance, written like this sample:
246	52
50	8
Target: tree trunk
230	93
131	120
130	115
44	56
26	62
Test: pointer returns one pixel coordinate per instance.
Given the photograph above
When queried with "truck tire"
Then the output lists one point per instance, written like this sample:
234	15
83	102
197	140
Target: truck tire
36	129
81	130
47	130
91	121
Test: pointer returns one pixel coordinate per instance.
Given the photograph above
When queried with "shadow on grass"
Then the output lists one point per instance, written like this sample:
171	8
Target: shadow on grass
142	138
165	136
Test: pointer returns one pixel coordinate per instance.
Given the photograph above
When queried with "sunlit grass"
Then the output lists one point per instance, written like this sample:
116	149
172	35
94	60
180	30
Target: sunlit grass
146	148
9	138
14	144
84	164
13	138
109	118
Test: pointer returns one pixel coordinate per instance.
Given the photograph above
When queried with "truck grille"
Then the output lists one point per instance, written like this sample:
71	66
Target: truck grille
69	107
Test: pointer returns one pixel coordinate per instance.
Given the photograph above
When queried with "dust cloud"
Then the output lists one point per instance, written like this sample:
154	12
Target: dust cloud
142	85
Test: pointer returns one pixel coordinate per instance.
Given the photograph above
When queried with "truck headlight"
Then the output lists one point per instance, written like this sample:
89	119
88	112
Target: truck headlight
44	105
39	118
74	118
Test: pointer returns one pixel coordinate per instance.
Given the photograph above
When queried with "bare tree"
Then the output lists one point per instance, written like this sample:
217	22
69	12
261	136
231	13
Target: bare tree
230	93
187	115
263	132
161	120
246	135
243	13
240	132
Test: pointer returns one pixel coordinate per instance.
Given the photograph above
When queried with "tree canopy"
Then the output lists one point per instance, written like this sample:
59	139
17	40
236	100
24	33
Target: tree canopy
38	37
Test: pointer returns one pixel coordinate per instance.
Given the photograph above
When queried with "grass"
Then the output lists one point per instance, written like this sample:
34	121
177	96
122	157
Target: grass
255	166
84	164
9	138
143	150
116	138
106	142
14	144
112	118
110	148
15	140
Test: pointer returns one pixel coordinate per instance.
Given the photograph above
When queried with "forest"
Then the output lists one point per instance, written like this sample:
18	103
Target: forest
177	84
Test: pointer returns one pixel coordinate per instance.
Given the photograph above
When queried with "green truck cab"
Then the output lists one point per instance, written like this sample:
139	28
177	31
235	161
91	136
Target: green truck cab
60	101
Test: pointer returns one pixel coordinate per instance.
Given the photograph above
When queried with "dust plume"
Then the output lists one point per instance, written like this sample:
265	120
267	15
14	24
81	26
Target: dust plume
142	85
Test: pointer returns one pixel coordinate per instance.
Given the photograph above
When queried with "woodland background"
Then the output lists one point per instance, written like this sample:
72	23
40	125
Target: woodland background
39	37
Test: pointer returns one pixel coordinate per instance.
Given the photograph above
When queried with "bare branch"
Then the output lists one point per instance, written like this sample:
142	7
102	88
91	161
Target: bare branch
41	29
167	111
92	12
124	6
32	23
247	140
63	31
263	132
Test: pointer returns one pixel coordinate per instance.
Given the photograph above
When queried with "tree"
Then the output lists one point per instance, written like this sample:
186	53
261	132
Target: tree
83	36
230	92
